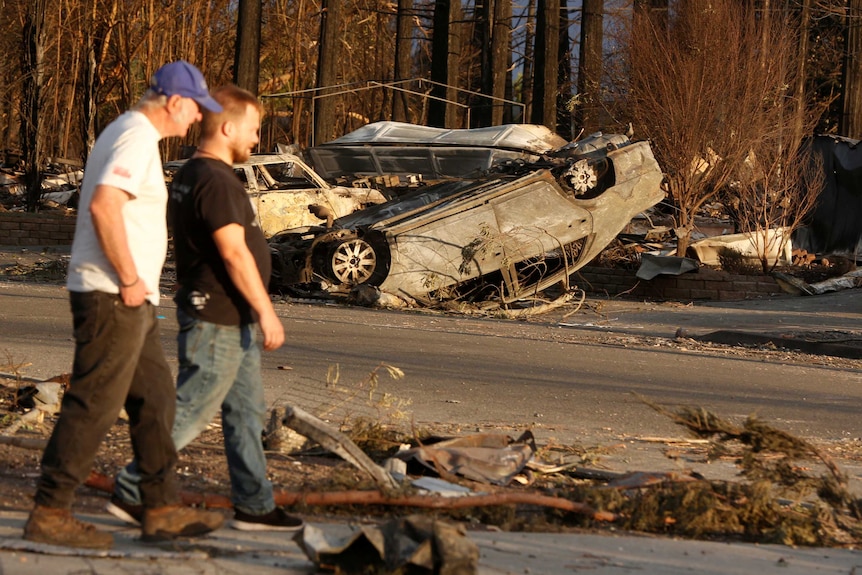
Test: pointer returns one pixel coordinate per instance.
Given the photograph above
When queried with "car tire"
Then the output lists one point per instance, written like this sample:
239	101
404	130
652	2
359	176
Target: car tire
354	260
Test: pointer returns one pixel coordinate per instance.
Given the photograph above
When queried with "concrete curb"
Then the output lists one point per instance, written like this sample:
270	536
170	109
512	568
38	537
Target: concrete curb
845	350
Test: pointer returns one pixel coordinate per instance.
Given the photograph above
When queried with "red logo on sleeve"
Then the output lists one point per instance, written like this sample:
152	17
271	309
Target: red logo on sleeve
122	172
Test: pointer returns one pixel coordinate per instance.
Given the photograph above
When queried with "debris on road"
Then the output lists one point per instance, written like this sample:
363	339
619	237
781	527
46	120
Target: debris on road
336	442
781	501
798	286
487	457
783	496
413	544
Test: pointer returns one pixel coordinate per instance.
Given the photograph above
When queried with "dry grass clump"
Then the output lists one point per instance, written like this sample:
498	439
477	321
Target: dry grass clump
723	510
781	500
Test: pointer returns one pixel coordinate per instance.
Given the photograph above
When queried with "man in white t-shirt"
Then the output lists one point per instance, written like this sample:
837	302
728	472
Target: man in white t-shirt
117	256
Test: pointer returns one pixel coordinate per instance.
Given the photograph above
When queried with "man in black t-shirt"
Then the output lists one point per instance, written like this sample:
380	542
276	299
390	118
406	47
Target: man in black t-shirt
224	313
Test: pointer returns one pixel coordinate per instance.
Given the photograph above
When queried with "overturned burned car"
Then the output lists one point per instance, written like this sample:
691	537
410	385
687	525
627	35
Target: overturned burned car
517	230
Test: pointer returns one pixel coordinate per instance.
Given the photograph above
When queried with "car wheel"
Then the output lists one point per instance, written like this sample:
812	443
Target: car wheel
353	261
348	259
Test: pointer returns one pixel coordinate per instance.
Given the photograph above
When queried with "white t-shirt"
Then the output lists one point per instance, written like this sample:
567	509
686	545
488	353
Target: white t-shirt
125	156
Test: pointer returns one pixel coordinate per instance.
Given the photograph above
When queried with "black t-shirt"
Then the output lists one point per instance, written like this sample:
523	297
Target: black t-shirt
205	196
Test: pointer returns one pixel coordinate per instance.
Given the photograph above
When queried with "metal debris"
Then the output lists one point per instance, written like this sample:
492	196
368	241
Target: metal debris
486	457
414	544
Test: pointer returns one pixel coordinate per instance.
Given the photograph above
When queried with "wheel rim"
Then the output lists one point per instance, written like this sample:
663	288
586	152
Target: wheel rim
582	177
353	262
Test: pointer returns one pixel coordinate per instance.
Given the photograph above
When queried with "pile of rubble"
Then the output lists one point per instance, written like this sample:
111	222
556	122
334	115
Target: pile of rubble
61	182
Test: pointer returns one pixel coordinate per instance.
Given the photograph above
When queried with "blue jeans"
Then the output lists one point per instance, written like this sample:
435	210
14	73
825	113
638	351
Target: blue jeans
219	367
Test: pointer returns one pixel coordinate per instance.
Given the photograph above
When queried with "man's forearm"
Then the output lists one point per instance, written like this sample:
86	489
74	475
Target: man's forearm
106	210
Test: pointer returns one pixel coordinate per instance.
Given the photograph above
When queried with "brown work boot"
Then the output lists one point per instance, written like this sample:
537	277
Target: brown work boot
59	527
172	521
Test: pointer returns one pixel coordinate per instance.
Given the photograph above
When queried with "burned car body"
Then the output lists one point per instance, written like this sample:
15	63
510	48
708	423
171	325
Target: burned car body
521	229
397	148
282	187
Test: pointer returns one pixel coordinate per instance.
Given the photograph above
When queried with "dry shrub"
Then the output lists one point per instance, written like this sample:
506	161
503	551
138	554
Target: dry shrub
713	85
373	419
377	439
362	399
735	262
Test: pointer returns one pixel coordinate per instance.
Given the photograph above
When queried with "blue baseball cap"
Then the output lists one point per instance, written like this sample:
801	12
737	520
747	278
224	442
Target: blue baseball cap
182	79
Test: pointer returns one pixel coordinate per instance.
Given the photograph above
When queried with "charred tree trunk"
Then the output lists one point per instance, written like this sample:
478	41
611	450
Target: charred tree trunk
546	70
851	119
89	89
457	31
501	50
564	77
10	113
89	83
325	108
440	73
246	62
527	77
494	19
31	101
99	25
403	43
588	111
510	110
481	107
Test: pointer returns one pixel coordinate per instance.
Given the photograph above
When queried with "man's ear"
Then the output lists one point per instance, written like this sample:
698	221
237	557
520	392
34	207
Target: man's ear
174	104
228	128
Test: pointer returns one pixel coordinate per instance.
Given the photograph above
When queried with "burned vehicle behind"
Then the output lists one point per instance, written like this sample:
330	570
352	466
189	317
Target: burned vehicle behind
282	188
518	230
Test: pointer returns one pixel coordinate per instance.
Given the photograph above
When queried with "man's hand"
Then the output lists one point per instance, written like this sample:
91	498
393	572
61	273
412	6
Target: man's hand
134	295
273	331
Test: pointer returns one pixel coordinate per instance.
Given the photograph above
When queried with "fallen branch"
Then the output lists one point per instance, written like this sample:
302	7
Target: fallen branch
671	440
334	498
577	307
538	309
35	443
32	416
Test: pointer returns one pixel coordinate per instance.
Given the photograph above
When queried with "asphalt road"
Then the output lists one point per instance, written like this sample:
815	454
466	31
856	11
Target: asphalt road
477	374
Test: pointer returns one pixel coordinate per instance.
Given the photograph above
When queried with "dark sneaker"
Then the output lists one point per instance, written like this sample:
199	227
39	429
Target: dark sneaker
59	527
275	520
173	521
128	512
